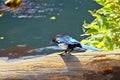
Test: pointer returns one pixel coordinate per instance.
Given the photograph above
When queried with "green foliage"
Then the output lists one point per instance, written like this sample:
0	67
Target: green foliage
104	30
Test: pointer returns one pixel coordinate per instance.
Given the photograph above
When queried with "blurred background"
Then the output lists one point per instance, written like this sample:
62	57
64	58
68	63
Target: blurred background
42	19
39	20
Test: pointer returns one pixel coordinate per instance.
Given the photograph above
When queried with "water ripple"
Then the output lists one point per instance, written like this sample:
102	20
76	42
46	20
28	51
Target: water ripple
38	9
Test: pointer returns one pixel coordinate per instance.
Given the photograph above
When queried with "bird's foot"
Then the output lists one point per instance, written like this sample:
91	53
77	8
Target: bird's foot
63	53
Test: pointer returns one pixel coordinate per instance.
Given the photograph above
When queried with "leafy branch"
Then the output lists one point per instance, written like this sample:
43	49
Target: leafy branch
104	30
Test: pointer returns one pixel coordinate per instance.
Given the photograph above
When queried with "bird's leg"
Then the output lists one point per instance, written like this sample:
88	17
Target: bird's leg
63	52
68	51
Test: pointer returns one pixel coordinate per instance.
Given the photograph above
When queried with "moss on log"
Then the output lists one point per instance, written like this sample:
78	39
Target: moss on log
78	66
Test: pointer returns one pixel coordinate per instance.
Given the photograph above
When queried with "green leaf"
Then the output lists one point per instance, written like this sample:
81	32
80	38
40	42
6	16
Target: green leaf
93	31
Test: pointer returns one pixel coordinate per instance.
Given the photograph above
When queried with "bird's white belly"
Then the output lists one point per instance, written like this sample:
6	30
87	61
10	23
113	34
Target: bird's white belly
63	46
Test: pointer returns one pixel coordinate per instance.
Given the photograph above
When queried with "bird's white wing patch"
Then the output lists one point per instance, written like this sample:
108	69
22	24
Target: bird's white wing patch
63	46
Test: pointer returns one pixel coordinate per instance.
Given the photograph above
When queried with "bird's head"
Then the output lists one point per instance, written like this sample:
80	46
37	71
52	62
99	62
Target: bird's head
53	40
56	38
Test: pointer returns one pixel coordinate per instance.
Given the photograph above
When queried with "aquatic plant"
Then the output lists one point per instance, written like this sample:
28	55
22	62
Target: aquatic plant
104	30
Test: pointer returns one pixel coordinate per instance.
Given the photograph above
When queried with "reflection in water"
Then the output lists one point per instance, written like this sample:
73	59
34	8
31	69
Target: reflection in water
16	52
25	52
20	52
38	9
42	8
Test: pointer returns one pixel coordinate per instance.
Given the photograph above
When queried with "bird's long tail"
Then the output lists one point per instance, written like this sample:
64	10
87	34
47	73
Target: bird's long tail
90	47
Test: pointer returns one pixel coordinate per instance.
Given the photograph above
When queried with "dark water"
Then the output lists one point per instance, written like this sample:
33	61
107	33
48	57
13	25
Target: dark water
33	25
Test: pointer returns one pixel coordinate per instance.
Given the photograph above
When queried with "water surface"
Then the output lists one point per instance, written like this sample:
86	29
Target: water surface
33	25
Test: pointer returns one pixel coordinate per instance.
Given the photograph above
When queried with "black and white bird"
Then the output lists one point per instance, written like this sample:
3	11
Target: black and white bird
68	44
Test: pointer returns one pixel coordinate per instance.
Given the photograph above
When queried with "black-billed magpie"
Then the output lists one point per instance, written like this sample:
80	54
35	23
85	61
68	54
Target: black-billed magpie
68	43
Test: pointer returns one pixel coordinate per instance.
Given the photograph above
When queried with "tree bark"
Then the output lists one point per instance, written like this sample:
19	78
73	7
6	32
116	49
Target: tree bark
78	66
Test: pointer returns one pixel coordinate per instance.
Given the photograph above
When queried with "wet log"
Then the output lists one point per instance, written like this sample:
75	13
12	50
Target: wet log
78	66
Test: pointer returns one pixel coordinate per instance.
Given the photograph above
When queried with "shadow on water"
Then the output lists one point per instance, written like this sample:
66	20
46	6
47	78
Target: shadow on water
72	62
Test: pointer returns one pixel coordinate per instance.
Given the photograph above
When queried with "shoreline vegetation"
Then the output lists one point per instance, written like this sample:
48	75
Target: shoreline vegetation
78	66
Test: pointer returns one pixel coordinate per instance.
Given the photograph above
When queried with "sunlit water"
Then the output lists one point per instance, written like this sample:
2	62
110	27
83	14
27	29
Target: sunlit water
39	20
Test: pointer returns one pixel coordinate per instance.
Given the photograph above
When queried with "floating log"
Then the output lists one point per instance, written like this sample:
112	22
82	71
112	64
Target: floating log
78	66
